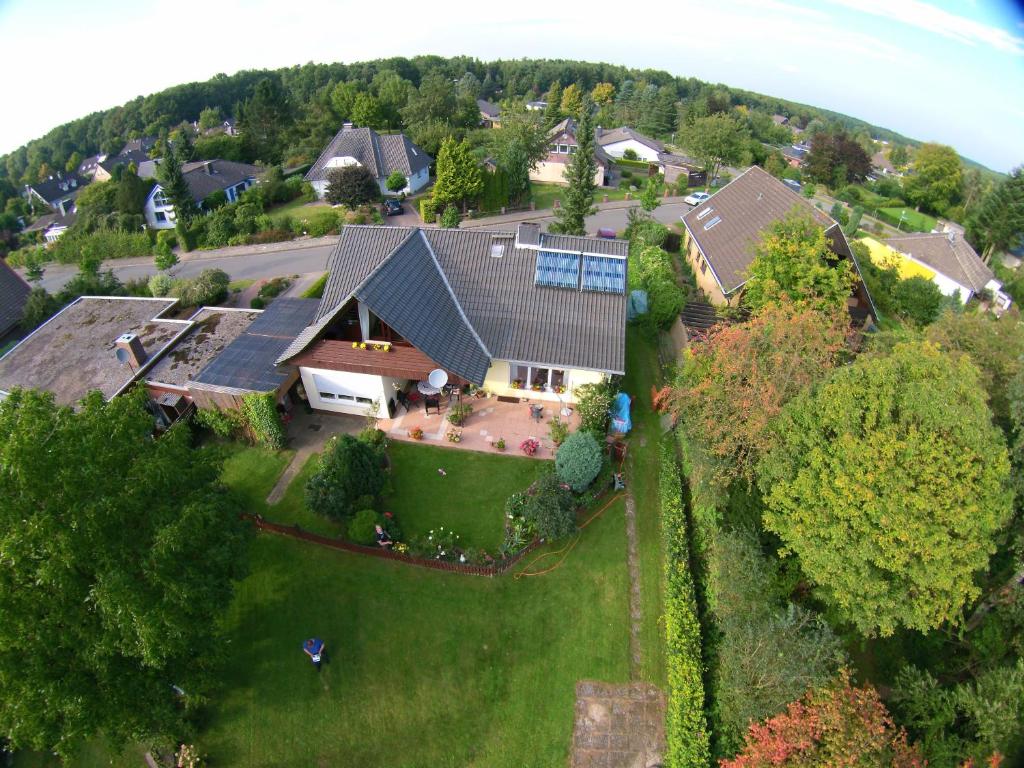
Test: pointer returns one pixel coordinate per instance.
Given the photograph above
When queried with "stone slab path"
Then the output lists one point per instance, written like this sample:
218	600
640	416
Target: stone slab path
618	726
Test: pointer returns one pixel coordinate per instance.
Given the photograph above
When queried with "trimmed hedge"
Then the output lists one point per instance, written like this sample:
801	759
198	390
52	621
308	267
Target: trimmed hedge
686	726
263	420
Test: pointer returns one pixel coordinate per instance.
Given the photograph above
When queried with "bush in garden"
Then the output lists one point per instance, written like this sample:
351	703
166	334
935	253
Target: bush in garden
362	528
578	461
450	218
630	154
550	509
321	223
209	287
918	299
348	470
259	409
160	285
593	404
225	422
257	303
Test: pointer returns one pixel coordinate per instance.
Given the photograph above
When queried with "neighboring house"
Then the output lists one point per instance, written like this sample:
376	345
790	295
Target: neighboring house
58	192
506	311
143	145
679	168
382	154
87	168
52	225
536	106
722	234
795	154
105	168
780	119
945	258
562	147
204	177
106	343
880	163
490	114
616	141
13	294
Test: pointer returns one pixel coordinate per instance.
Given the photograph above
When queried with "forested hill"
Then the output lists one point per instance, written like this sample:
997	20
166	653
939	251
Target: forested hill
307	102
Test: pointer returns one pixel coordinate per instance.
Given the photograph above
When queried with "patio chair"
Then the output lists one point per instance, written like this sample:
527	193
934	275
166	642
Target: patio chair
403	399
432	401
537	412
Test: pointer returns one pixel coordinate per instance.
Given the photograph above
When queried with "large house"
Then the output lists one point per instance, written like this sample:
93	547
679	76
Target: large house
723	231
562	146
57	192
945	258
490	114
507	311
382	154
617	141
204	178
104	170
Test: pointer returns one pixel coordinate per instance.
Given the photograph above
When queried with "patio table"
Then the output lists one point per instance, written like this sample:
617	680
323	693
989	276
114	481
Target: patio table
425	388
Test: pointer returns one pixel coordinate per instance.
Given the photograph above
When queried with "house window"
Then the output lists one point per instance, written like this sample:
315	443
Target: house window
161	216
326	395
160	201
572	149
563	149
554	149
703	266
538	379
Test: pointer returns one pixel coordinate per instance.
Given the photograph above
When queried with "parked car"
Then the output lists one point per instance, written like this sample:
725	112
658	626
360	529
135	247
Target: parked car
607	234
696	198
392	208
792	184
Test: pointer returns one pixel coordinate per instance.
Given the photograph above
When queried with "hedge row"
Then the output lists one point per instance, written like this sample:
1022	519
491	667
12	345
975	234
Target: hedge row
686	726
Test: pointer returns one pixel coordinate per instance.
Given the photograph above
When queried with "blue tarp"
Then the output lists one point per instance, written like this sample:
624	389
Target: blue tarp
637	305
620	414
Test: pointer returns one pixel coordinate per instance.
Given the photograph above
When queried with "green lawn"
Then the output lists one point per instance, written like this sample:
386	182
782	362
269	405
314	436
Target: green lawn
913	221
427	668
544	194
296	208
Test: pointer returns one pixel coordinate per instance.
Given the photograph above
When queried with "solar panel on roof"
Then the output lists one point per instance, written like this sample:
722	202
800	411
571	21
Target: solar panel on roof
604	274
284	317
559	270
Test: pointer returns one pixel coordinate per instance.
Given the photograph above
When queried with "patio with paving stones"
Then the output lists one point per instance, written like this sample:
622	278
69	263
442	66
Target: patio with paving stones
618	726
491	419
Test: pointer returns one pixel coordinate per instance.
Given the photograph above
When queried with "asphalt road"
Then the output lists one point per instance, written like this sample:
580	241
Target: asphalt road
300	261
251	266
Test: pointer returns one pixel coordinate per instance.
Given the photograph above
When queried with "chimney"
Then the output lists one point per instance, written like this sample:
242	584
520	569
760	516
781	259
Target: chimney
346	126
133	352
208	167
60	204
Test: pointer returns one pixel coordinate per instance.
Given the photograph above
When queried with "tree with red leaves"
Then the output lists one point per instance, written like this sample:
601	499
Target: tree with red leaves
839	725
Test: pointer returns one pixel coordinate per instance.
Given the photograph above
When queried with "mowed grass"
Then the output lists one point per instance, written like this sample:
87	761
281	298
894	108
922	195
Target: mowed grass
544	194
426	668
469	499
296	209
914	221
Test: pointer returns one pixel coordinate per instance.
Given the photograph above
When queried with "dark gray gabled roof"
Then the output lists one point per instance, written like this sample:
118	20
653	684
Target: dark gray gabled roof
411	294
491	278
59	187
381	154
13	294
136	156
487	108
204	177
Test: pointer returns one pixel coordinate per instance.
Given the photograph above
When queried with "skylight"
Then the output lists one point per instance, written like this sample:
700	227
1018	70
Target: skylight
712	223
497	250
705	212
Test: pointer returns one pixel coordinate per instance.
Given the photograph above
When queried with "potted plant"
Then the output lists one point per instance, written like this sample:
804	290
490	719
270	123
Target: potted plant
517	384
499	444
454	435
416	433
530	446
559	389
458	413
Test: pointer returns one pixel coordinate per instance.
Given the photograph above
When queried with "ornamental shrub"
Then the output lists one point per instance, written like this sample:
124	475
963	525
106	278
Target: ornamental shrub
224	422
261	417
593	404
208	287
550	509
361	530
686	727
160	285
918	299
578	461
348	470
427	210
450	218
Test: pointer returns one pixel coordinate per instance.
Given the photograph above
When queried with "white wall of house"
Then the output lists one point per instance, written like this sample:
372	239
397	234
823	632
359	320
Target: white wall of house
554	173
416	182
344	392
502	373
643	152
158	210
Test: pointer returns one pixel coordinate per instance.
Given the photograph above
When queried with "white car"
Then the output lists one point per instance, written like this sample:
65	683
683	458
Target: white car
696	198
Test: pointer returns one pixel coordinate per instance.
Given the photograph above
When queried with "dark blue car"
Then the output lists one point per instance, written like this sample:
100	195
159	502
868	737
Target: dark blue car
392	207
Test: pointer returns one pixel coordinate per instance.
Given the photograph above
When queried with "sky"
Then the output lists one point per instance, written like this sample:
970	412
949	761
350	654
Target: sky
936	70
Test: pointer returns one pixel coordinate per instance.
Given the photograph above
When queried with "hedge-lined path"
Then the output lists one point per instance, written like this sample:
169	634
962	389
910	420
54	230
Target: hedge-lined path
618	726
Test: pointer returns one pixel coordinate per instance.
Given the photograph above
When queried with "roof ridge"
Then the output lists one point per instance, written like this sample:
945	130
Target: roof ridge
451	292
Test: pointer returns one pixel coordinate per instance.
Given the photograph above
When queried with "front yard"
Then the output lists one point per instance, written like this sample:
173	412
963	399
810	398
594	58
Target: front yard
544	194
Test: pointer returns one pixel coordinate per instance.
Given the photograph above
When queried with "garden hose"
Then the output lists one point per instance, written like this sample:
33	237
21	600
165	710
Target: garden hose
567	548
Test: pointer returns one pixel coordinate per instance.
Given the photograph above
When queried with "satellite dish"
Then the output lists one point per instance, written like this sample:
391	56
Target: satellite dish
437	378
122	355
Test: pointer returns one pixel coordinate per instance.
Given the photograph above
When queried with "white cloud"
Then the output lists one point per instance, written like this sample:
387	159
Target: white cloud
930	18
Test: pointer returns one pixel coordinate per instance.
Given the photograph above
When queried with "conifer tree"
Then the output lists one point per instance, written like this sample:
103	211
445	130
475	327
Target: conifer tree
579	197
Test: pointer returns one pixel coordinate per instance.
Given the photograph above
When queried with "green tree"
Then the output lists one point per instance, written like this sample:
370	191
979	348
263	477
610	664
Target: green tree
348	474
265	118
40	306
794	262
343	98
899	156
434	101
572	101
176	189
209	118
997	224
120	552
603	94
393	93
579	197
550	507
918	299
578	461
553	113
75	160
889	484
182	145
649	199
837	159
163	257
459	178
715	141
352	186
366	111
450	219
937	178
396	182
521	143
